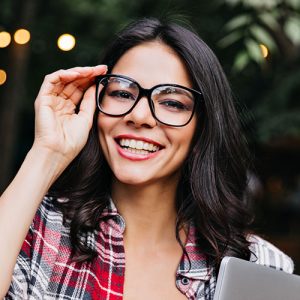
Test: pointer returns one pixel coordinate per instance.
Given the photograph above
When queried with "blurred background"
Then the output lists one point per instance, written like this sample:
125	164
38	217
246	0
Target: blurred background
257	42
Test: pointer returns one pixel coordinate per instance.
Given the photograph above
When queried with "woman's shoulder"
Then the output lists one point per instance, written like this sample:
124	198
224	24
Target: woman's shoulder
265	253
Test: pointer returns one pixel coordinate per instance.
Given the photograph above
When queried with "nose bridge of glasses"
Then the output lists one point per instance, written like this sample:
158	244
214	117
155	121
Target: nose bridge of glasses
146	95
143	107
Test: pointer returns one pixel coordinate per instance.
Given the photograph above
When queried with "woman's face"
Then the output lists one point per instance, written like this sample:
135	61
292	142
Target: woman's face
149	64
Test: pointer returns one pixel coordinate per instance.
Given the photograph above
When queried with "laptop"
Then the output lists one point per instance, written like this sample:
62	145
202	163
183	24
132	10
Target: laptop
243	280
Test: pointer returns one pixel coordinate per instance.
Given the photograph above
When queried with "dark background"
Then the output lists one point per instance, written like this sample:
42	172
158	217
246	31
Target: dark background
266	89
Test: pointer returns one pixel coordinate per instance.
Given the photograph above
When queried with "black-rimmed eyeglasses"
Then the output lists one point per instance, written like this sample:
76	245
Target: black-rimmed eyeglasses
170	104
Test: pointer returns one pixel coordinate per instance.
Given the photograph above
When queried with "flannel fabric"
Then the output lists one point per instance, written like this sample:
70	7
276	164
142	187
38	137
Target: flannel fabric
44	269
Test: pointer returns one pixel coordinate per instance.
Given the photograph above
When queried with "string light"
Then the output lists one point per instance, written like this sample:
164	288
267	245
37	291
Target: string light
5	39
66	42
264	50
3	76
22	36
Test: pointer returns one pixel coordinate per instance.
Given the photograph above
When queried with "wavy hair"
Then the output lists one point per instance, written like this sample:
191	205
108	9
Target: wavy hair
211	191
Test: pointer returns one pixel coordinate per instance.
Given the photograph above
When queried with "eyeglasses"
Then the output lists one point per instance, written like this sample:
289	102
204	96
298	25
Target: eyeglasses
170	104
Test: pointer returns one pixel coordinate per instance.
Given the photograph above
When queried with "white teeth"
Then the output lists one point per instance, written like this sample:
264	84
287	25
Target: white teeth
138	146
132	144
146	146
136	151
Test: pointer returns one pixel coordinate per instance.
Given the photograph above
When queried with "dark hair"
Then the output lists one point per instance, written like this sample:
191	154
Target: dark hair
211	190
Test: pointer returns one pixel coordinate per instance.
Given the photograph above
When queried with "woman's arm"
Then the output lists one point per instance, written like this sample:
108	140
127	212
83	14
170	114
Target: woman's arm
60	134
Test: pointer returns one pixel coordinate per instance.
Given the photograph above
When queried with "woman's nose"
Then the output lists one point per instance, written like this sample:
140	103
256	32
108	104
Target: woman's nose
141	115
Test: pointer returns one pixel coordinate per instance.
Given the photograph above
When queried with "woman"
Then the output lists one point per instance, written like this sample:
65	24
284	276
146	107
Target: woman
161	153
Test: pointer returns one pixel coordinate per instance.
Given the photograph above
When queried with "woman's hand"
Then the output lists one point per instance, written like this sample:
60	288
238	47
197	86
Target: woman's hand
58	128
60	133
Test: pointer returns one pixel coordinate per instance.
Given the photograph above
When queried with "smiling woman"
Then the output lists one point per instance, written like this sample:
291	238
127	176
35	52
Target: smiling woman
144	170
140	120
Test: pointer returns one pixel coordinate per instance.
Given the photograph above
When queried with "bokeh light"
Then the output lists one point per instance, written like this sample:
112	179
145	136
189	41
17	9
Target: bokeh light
66	42
264	50
22	36
3	76
5	39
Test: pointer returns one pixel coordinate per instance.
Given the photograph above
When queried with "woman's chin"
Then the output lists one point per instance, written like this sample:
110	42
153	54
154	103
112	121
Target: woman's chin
141	178
133	180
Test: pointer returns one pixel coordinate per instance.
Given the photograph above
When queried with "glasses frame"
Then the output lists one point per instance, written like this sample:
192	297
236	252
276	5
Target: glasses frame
198	97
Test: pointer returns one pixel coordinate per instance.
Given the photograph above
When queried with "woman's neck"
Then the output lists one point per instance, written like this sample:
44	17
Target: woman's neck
149	212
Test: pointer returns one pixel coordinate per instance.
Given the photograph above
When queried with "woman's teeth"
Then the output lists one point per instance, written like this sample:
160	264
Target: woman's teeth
138	147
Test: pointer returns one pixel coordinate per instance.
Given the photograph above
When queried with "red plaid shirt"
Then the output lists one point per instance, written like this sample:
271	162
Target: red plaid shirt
44	269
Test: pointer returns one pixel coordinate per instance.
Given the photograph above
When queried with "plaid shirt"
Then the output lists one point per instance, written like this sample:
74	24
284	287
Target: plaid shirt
44	269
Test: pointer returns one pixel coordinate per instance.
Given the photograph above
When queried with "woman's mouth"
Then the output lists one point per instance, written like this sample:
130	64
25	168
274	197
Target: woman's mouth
136	148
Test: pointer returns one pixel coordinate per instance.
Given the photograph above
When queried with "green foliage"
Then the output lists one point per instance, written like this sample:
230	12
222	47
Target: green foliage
271	86
262	36
237	22
278	114
253	50
273	23
292	28
241	60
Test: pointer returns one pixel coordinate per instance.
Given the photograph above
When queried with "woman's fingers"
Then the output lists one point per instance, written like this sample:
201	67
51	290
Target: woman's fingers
71	83
79	72
88	105
73	90
91	71
54	82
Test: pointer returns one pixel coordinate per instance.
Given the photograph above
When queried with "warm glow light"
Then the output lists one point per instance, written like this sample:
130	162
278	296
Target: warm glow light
22	36
264	50
2	77
5	39
66	42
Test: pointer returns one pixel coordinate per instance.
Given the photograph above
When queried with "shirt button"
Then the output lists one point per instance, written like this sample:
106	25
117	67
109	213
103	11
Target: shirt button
185	281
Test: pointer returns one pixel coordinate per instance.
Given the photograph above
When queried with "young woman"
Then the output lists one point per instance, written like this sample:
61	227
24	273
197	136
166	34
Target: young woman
144	185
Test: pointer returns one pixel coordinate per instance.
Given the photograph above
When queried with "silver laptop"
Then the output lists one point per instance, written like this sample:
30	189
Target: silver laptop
242	280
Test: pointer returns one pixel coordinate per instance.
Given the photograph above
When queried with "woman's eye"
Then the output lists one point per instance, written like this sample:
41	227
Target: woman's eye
174	104
121	94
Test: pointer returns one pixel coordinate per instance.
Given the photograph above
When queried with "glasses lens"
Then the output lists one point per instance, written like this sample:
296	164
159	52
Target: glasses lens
116	95
173	105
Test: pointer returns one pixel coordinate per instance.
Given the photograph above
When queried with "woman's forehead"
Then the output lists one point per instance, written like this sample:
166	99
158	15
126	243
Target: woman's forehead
153	63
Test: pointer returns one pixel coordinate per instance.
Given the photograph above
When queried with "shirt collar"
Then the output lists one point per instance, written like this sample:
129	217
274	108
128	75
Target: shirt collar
194	264
113	218
110	210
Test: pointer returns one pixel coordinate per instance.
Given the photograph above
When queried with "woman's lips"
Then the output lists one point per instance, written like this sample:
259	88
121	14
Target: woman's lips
137	148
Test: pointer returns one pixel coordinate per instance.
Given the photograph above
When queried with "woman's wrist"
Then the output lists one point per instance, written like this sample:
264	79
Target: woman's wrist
50	163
